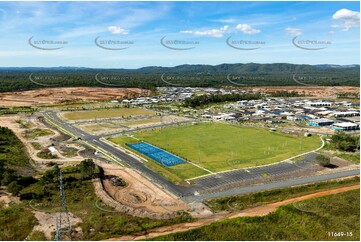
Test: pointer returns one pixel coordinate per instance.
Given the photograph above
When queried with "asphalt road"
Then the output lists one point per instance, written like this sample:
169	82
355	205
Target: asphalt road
279	184
211	181
242	175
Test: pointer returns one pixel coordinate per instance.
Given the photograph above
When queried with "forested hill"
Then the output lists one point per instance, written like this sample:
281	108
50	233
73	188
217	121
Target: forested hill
251	74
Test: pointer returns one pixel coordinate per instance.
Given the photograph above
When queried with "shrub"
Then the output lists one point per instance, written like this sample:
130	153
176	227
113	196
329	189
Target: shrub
323	160
14	188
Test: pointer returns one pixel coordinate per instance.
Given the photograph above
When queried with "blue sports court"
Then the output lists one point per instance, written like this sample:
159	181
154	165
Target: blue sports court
161	156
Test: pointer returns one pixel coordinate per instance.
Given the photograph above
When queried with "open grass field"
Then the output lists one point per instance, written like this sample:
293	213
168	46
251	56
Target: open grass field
219	147
355	158
106	113
333	213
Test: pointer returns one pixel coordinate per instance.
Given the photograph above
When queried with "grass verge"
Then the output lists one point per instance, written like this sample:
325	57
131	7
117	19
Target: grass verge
276	195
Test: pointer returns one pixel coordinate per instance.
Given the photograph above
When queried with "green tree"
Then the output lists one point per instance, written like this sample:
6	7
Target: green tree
50	176
345	142
14	188
7	177
87	169
323	160
2	166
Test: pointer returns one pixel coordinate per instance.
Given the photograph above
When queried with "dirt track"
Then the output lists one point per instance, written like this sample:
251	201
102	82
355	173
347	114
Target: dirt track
251	212
150	196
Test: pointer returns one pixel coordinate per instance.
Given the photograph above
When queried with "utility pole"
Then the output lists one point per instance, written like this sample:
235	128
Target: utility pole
63	208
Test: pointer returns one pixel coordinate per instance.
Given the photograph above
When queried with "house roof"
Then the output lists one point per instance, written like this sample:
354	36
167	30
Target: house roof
321	120
345	124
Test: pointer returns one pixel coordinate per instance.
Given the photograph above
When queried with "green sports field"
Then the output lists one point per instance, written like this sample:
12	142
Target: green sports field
219	147
106	113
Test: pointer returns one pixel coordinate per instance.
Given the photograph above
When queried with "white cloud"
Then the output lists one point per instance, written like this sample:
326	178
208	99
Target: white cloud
346	14
225	20
293	31
247	29
117	30
348	18
217	33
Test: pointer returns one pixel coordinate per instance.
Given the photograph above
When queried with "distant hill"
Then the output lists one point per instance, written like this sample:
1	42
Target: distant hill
249	74
247	68
239	67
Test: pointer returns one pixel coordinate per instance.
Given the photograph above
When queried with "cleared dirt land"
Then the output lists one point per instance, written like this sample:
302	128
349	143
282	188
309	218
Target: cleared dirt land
119	125
107	113
140	192
312	91
72	94
68	94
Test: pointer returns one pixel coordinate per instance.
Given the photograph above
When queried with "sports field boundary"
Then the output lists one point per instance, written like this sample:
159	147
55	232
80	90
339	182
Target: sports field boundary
144	159
246	168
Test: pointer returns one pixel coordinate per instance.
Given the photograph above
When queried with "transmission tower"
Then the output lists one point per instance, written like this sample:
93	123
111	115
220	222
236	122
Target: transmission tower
57	235
63	209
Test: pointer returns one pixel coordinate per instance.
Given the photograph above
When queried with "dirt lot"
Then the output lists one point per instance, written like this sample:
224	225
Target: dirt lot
117	126
101	128
6	198
69	94
155	121
312	91
140	192
47	223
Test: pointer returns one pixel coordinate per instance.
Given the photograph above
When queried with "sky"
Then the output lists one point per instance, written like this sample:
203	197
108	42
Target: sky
138	34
